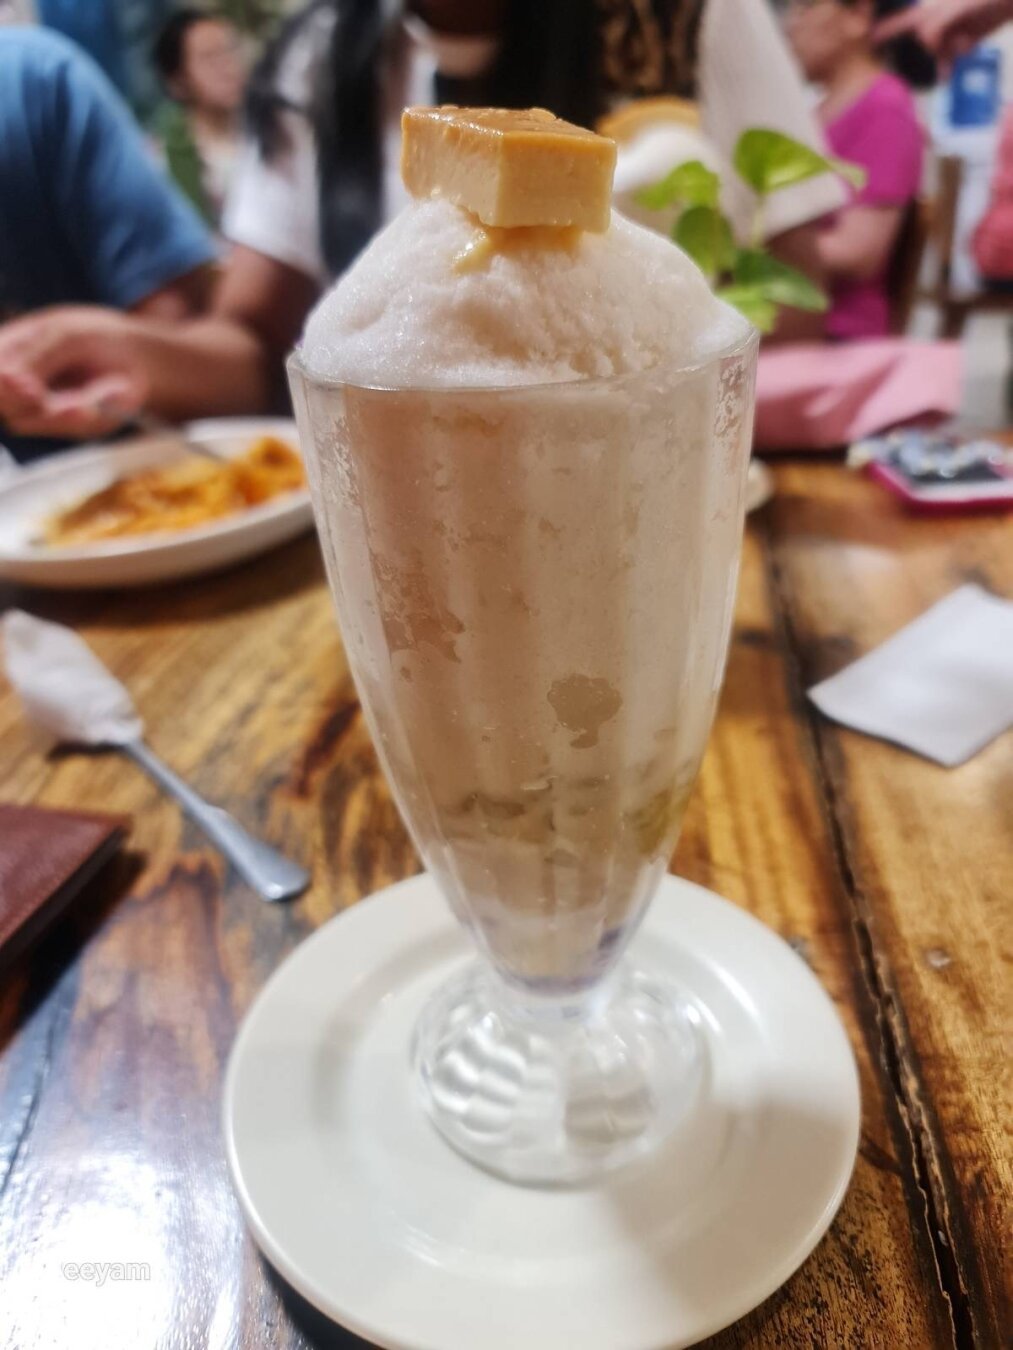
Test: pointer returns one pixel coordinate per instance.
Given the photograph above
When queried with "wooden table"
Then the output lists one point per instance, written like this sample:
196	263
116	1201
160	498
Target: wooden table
885	872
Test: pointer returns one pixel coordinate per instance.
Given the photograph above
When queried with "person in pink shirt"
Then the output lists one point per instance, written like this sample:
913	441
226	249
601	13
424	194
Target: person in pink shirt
992	244
869	118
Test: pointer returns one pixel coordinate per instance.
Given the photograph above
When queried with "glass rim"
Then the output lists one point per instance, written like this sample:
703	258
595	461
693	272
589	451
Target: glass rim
739	347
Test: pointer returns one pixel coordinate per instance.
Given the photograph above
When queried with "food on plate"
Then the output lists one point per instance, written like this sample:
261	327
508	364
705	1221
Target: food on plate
179	496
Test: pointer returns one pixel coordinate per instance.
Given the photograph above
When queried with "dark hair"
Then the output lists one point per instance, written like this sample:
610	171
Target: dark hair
547	57
264	101
167	53
905	55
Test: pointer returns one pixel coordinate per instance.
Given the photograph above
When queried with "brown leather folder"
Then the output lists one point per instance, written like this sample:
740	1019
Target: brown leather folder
46	857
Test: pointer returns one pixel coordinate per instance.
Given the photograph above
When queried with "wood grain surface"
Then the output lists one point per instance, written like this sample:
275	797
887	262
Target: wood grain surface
885	872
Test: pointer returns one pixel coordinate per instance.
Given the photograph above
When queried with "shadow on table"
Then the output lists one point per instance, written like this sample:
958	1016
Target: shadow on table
44	966
259	582
319	1332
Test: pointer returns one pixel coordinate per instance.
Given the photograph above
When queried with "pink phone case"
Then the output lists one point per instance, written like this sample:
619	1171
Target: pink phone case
995	496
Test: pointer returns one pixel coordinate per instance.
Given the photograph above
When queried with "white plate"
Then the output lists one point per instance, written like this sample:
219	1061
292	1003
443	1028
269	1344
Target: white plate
365	1210
29	495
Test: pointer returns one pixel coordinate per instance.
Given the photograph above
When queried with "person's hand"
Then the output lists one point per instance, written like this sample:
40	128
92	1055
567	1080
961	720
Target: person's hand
947	28
72	372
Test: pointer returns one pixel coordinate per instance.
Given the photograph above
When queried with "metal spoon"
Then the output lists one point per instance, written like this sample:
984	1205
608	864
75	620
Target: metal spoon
269	873
69	693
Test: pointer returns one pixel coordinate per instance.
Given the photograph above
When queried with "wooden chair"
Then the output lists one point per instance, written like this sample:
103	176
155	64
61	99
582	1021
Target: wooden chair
954	309
905	268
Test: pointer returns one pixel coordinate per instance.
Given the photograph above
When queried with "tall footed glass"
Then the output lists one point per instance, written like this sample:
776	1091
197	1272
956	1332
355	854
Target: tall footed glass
535	590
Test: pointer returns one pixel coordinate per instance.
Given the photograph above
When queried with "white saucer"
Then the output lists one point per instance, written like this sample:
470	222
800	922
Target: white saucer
362	1207
29	495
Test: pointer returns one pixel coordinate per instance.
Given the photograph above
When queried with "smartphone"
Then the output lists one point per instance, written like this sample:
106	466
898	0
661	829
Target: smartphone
933	472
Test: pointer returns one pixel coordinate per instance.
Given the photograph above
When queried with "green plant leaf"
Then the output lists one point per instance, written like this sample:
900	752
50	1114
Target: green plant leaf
705	234
689	184
752	304
776	281
769	160
852	173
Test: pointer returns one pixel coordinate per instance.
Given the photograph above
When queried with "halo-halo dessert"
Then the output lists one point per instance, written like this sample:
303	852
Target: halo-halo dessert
527	424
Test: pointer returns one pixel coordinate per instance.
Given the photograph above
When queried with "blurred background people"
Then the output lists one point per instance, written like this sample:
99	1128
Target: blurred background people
993	238
200	62
88	227
320	173
947	28
870	119
319	130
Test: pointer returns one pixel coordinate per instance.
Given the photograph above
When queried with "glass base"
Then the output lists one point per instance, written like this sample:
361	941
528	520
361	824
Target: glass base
550	1091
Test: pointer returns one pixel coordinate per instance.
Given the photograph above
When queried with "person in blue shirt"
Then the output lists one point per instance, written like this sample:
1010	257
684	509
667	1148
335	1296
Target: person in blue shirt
87	217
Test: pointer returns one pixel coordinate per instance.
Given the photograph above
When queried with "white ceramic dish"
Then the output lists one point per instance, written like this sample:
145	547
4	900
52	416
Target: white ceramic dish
370	1215
30	494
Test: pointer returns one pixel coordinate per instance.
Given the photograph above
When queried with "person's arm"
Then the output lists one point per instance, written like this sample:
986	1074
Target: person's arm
181	299
81	371
228	361
857	247
947	28
859	243
799	248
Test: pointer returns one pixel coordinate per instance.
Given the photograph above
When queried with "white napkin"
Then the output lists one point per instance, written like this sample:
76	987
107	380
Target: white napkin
66	690
942	686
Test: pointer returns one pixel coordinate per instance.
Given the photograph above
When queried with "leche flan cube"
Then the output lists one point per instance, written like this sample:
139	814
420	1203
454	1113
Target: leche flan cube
510	167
